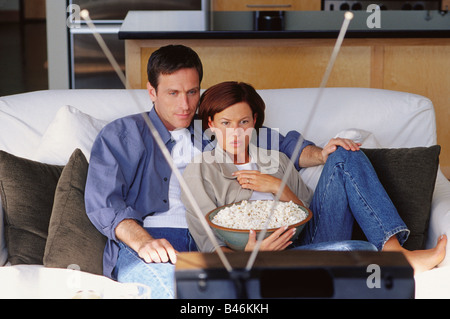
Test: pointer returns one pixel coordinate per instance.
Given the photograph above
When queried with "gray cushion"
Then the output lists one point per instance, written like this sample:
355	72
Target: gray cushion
409	176
27	189
72	239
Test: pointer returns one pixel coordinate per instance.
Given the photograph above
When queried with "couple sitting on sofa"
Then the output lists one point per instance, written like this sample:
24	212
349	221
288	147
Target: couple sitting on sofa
133	198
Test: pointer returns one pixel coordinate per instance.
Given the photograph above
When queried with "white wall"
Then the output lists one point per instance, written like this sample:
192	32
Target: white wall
57	45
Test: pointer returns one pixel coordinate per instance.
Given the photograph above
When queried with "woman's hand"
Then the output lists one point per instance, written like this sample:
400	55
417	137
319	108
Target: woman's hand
279	240
265	183
257	181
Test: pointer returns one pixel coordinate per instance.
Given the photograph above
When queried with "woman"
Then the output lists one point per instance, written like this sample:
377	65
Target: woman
237	170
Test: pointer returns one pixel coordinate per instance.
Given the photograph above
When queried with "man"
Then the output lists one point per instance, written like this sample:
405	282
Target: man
131	196
129	179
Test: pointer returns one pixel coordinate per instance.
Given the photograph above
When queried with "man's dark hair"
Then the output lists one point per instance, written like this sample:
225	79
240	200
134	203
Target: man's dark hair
171	58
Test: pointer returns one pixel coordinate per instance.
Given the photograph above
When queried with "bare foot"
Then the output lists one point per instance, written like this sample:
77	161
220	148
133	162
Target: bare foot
423	260
420	260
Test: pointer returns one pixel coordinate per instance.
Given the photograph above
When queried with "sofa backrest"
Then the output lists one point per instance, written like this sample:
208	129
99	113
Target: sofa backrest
396	119
24	118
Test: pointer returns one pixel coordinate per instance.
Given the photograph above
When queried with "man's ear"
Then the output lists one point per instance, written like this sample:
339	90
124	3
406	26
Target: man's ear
151	91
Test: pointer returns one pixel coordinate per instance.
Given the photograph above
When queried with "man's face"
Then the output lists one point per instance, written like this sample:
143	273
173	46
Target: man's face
176	98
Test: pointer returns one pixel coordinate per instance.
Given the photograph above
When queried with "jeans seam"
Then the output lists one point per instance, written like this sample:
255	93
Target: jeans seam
321	201
386	234
368	207
338	168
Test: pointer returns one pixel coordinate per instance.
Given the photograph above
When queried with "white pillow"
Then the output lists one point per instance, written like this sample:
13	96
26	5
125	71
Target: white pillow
367	139
70	129
311	175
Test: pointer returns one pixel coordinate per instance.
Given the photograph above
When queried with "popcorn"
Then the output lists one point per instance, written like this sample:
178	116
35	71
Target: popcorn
254	214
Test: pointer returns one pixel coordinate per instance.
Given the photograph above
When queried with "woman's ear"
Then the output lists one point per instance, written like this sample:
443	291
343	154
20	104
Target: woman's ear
210	123
211	129
254	119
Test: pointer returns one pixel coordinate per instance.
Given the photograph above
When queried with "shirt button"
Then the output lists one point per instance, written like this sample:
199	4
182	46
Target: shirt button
165	200
165	179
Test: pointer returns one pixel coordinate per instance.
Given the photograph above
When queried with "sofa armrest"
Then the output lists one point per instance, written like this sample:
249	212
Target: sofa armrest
440	215
3	250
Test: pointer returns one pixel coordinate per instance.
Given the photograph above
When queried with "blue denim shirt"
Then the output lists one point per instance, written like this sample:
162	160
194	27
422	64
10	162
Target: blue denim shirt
128	176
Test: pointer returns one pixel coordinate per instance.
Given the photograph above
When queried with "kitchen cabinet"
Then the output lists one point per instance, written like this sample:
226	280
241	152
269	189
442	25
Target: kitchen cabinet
266	5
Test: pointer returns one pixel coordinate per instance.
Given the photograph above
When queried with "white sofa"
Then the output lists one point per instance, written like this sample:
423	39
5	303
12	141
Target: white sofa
46	126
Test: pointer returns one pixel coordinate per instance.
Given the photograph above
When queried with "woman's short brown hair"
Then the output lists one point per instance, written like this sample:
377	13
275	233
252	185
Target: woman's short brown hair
223	95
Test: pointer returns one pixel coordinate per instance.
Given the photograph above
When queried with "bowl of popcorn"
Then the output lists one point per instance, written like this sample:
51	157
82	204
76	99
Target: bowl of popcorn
232	223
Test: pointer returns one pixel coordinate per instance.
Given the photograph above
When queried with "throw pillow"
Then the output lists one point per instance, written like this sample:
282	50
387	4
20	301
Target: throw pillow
26	189
72	239
408	176
69	130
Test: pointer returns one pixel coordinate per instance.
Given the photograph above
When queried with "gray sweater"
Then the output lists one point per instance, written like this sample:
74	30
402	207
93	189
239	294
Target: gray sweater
212	185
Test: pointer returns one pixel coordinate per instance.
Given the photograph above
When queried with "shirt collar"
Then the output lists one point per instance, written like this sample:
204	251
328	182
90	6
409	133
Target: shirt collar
159	126
200	141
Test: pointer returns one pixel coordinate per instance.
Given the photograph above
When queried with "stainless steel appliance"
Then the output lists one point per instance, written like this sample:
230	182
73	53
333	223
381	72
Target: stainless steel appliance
336	5
89	67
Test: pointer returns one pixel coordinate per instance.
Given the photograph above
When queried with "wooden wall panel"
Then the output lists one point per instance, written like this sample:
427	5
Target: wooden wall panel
34	9
424	70
280	67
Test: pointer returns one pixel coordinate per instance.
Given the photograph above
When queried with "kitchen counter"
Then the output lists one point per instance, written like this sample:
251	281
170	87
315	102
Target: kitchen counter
139	35
297	24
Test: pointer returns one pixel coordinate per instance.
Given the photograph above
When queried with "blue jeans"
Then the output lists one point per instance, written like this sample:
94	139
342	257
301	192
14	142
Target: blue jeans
349	190
160	277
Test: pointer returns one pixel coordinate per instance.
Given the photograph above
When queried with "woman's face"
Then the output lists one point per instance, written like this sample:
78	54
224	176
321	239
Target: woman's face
233	128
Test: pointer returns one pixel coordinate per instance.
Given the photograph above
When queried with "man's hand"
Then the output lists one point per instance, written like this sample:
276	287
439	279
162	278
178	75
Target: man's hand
313	155
151	250
333	144
157	251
